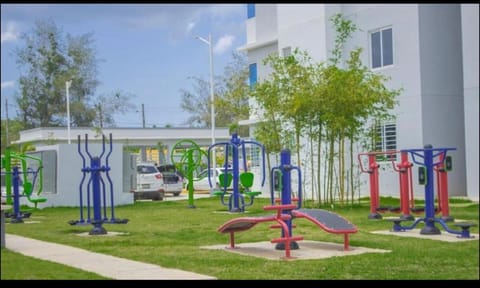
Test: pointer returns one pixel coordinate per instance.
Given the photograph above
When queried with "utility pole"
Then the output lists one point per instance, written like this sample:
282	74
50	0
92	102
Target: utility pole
67	87
6	122
144	150
143	115
212	94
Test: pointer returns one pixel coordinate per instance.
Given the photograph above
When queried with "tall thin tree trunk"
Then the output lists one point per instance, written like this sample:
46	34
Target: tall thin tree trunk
319	165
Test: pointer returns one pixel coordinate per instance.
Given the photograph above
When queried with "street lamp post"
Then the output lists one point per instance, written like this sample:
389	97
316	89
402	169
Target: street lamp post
212	97
67	86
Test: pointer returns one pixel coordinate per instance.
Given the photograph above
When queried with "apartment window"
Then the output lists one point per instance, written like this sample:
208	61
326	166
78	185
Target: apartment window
252	69
287	51
250	10
382	48
386	140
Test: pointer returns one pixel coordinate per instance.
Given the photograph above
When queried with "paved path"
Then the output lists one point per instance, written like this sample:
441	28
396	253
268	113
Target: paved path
101	264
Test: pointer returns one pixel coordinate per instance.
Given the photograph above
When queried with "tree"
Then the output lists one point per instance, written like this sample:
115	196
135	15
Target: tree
47	61
106	105
197	103
324	102
285	95
231	98
14	127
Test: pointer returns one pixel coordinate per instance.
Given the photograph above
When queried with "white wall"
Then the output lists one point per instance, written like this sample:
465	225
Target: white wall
266	20
442	86
297	20
470	48
69	175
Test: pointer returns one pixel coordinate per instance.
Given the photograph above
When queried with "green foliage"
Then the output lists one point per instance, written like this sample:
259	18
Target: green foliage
327	102
48	59
16	266
231	98
13	131
106	105
344	29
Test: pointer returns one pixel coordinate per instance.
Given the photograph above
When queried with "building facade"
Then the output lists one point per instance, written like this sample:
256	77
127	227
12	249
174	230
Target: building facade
148	140
430	51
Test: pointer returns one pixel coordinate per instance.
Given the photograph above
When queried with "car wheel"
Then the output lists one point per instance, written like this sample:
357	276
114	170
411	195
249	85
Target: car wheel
159	196
176	194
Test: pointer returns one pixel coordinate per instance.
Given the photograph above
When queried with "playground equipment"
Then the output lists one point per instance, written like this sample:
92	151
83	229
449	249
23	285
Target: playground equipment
98	191
28	185
405	176
236	197
286	212
191	156
432	157
407	201
17	215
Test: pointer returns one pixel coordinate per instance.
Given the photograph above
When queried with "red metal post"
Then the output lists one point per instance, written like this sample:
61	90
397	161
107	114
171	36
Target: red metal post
405	182
374	187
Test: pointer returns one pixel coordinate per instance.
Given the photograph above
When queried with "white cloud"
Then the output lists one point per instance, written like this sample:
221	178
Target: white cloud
9	32
7	84
223	44
190	26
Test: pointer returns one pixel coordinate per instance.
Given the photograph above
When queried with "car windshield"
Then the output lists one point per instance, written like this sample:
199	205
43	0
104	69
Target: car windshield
146	169
167	168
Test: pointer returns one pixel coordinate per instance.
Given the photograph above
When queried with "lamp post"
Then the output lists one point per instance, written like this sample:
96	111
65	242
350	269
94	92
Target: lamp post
67	86
212	112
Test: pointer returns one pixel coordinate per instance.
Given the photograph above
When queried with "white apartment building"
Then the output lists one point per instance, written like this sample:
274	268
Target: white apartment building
431	51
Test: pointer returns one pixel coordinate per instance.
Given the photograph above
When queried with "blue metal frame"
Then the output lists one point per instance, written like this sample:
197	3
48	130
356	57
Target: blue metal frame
285	168
428	154
235	144
97	185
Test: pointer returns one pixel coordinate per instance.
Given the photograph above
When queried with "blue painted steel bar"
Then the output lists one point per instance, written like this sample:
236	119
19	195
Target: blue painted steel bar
236	193
285	165
107	170
286	196
81	181
17	217
97	213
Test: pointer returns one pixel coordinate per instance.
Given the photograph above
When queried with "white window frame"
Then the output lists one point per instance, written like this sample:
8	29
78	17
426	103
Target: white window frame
382	66
386	140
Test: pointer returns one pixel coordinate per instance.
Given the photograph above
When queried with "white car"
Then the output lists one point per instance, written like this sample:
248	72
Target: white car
201	181
149	183
172	180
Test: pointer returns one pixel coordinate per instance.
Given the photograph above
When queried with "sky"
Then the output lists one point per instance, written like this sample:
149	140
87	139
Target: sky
147	50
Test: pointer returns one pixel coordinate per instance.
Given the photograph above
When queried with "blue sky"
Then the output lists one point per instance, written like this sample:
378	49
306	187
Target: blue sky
148	50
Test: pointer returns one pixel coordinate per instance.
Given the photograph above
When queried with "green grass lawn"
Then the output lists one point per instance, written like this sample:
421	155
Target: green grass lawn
169	234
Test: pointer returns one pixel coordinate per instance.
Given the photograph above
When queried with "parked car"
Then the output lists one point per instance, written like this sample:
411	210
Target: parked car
154	181
149	183
172	179
201	181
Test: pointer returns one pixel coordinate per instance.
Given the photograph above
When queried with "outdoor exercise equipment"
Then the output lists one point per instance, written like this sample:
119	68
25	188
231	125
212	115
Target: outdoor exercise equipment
28	186
236	201
96	185
187	156
17	215
441	171
404	168
429	158
286	212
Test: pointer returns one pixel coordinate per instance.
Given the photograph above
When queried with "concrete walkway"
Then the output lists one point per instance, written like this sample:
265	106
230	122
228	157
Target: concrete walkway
101	264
